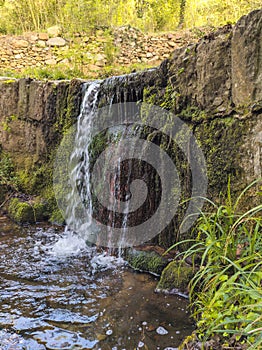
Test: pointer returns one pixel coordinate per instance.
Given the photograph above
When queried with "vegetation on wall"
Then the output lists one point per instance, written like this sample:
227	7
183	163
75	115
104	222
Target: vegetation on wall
147	15
7	172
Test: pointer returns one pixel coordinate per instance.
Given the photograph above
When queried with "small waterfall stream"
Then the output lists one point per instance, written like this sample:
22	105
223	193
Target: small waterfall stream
79	208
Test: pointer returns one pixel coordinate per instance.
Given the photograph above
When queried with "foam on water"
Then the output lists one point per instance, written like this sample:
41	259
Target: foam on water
68	245
104	262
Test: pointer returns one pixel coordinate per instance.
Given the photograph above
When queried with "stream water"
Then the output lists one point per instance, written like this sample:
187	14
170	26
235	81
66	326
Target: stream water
79	299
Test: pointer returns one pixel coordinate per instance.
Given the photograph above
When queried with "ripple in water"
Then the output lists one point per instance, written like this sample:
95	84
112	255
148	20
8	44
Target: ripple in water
58	293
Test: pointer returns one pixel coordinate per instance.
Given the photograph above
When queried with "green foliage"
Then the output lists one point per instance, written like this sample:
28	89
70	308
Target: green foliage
27	15
7	171
217	12
89	15
226	293
109	47
59	72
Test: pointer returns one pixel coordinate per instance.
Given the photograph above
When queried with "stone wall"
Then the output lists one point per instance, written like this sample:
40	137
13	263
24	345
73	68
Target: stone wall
126	45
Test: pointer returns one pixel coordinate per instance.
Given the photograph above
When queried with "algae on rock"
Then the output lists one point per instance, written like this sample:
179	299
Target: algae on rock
26	212
175	278
146	261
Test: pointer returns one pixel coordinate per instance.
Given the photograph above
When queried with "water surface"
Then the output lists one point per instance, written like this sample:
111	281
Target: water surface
50	299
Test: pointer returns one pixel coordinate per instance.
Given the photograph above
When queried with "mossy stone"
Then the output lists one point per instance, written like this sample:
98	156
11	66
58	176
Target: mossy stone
21	212
175	276
40	208
26	212
146	261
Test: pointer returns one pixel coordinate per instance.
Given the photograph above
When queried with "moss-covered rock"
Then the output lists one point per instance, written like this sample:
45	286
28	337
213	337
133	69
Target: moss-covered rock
146	261
22	211
175	277
56	217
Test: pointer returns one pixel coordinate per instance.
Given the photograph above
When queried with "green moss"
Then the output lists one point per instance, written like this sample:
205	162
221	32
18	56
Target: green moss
175	277
6	124
21	212
146	261
220	141
34	178
166	97
194	114
27	212
40	209
8	176
57	217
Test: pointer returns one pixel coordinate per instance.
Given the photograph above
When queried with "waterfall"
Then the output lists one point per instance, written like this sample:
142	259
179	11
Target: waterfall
80	157
77	174
121	187
79	211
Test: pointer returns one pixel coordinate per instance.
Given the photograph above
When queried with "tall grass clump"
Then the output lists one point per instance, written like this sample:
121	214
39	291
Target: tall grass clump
226	291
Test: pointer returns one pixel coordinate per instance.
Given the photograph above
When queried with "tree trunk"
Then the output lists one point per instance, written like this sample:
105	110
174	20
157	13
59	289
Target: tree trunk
182	13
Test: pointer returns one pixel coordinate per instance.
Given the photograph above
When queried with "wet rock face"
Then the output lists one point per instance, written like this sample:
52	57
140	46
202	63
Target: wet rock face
247	59
201	73
33	114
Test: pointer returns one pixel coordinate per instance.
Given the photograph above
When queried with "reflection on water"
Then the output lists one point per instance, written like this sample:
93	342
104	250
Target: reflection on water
81	301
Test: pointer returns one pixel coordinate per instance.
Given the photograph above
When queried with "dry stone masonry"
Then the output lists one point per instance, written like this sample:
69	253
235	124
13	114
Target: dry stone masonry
126	44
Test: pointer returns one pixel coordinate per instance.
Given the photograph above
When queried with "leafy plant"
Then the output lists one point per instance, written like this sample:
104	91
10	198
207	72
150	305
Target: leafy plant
7	172
226	292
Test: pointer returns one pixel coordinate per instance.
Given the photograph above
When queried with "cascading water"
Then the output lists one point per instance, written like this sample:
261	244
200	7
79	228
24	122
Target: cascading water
80	177
79	209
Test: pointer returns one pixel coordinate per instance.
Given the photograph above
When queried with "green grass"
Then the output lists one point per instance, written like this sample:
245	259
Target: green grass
226	291
60	72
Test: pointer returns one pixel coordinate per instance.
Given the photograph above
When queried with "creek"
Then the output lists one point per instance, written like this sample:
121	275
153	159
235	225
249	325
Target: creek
57	298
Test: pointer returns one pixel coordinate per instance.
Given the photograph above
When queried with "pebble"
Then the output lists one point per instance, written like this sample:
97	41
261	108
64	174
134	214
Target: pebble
161	331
